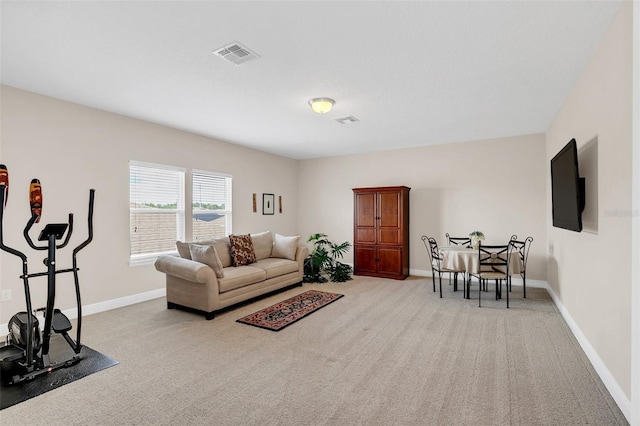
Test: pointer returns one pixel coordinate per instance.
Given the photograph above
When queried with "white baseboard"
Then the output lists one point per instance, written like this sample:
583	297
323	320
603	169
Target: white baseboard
104	306
117	303
618	395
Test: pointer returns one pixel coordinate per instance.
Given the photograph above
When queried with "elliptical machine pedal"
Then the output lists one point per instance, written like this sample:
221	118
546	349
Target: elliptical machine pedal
61	323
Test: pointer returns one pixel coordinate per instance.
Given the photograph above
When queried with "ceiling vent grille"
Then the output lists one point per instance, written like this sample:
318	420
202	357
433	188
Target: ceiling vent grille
236	53
347	120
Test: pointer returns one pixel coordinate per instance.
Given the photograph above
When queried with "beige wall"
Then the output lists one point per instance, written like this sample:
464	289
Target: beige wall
496	186
72	148
591	272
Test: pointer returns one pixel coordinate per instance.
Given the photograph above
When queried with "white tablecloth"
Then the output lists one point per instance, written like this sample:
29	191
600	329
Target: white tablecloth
460	258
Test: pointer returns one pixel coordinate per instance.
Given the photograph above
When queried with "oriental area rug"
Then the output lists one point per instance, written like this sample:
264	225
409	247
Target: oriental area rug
280	315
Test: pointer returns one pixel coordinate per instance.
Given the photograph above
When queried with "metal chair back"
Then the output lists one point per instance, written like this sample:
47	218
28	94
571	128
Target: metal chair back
458	241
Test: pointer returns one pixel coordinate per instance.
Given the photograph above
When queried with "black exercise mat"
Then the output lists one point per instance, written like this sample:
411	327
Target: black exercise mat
90	362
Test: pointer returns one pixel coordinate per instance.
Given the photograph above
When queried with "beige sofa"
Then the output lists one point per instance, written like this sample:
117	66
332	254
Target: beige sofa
203	277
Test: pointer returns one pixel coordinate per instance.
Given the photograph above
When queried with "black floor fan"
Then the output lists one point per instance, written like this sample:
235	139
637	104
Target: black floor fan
26	352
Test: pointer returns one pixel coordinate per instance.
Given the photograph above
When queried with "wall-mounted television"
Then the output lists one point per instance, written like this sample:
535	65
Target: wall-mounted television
567	189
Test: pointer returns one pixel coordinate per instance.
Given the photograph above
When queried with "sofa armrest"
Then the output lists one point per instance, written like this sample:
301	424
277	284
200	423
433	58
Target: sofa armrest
301	254
186	269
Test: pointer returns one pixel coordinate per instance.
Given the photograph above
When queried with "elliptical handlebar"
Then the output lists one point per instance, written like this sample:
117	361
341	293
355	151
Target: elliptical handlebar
2	246
86	242
34	219
78	345
68	237
27	228
25	279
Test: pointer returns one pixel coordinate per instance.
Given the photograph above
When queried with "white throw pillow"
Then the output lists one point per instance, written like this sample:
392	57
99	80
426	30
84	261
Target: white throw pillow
207	255
285	247
262	244
223	249
183	247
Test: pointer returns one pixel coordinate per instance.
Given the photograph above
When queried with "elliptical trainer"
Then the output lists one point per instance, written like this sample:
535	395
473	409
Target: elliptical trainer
26	353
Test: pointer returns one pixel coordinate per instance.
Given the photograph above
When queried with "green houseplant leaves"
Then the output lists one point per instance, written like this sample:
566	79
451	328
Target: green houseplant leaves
323	260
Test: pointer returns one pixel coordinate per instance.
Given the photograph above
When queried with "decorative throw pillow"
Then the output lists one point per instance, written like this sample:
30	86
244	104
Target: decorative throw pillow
184	250
262	244
242	252
224	250
285	247
208	256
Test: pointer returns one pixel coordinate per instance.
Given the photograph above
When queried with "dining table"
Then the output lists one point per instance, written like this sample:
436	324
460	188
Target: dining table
466	259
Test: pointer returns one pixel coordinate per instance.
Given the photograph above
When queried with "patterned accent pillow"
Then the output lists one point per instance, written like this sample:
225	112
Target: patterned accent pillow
207	255
242	252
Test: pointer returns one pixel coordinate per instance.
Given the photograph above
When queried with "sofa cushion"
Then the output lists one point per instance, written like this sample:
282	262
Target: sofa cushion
242	252
183	247
208	256
240	277
285	247
275	267
262	244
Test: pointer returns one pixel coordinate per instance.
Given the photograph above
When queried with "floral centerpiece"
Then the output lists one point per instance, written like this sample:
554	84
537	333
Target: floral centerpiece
476	237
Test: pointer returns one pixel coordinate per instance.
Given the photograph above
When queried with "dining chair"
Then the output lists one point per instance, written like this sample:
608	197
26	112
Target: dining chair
458	241
493	264
435	259
521	248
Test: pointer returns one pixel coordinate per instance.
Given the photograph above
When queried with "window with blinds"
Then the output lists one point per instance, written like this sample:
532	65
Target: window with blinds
156	208
211	205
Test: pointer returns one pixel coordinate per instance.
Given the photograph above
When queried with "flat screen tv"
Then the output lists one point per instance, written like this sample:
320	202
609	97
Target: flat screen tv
567	189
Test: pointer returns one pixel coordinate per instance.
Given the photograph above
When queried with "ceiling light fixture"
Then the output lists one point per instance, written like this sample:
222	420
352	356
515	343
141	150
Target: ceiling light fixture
321	105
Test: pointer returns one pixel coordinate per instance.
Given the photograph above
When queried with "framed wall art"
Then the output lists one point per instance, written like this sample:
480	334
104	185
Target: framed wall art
268	201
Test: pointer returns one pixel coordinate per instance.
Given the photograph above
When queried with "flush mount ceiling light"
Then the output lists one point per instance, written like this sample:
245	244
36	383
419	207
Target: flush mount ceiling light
321	105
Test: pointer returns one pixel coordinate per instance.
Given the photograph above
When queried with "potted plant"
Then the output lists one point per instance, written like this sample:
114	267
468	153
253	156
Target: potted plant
476	237
323	260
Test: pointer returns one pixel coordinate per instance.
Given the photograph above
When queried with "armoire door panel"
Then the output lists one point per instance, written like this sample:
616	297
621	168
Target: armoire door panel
365	235
389	236
389	261
365	210
365	259
389	209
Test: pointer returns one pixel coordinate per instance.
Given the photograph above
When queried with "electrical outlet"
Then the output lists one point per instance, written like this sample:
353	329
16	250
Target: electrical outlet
6	295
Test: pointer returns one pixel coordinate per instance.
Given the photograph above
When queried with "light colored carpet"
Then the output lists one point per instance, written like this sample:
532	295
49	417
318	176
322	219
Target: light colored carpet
388	353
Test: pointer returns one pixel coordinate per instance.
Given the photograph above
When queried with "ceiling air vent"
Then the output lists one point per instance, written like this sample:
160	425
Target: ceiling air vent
347	120
236	53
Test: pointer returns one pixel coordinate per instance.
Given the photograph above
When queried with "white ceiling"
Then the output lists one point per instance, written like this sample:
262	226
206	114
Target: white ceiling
413	73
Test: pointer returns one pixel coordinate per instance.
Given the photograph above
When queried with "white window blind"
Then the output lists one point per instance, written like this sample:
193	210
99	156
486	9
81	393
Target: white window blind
211	204
156	206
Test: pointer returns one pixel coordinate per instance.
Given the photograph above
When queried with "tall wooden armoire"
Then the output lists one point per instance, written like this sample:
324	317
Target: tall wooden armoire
381	232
